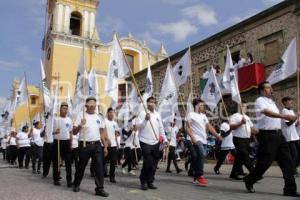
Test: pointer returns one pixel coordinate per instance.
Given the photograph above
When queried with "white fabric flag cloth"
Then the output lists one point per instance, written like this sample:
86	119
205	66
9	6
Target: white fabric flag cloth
230	79
168	97
22	94
80	94
93	84
69	102
211	93
182	69
45	89
149	84
287	65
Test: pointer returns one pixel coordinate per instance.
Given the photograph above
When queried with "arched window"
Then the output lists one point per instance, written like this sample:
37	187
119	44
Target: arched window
75	23
130	60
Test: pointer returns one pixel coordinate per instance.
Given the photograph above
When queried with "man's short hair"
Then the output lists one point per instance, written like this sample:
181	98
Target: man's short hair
110	109
150	98
285	99
64	104
196	101
261	86
90	99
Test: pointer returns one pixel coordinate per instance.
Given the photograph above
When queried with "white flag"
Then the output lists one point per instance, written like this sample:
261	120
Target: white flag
46	92
189	104
168	97
149	84
22	94
36	118
93	84
182	69
287	65
230	79
69	102
211	93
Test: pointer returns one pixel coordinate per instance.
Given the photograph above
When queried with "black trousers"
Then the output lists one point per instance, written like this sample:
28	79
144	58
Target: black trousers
294	147
272	146
136	156
95	152
24	152
128	158
66	154
4	153
112	160
75	157
222	156
242	156
172	157
47	157
13	149
37	154
150	160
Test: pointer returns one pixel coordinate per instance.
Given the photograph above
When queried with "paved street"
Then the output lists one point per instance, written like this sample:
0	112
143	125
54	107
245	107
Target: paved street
21	184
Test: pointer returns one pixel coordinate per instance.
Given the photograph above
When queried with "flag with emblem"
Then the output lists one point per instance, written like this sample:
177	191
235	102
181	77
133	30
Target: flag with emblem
149	84
93	84
21	94
287	65
46	92
168	97
211	93
230	79
182	69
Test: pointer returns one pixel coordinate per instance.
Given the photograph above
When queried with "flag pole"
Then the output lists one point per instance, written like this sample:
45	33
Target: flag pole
58	115
138	91
191	75
84	91
28	103
224	106
298	72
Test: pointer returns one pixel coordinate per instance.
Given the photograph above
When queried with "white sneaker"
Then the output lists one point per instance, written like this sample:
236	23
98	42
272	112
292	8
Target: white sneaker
132	173
124	171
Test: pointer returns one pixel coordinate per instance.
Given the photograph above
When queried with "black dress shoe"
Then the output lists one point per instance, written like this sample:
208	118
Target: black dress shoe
216	171
69	184
102	193
179	171
249	187
57	183
291	194
151	186
168	171
236	178
113	180
143	187
76	188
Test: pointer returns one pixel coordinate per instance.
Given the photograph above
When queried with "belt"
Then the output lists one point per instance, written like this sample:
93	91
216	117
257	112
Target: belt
275	131
89	142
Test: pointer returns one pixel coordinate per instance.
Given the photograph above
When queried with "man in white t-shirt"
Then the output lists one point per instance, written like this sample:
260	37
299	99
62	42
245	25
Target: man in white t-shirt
242	128
112	129
289	130
150	128
62	127
197	128
272	145
92	135
37	147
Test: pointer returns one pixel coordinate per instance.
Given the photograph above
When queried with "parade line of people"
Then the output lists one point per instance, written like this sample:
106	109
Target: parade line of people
99	139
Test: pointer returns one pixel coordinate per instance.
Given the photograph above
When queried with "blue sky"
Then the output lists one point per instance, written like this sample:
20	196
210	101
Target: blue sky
175	23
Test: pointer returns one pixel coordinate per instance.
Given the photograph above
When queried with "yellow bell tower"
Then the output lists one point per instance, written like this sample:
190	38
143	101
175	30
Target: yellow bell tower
71	23
70	26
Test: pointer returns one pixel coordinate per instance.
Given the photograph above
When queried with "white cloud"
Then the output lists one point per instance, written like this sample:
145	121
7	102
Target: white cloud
109	24
204	14
178	30
271	2
149	38
10	65
237	19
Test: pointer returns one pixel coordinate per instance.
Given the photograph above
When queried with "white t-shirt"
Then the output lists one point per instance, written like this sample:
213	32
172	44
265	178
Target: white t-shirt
23	139
264	122
227	142
244	131
36	136
65	126
74	141
92	127
12	141
111	128
4	143
289	132
172	133
199	122
146	134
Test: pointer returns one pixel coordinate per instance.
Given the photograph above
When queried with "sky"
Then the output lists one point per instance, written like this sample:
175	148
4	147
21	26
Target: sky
175	23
